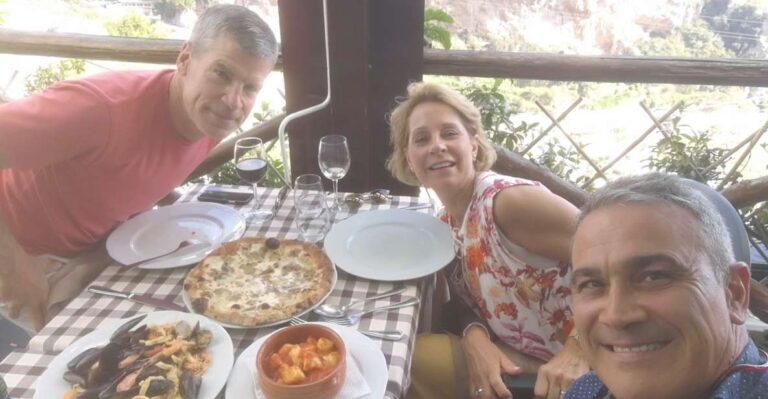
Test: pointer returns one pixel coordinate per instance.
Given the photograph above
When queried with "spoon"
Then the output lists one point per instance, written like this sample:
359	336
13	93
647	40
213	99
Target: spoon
333	311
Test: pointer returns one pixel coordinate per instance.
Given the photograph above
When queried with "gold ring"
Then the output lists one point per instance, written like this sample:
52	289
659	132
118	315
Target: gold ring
477	392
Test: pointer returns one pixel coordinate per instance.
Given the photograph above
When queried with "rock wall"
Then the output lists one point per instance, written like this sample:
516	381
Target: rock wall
569	26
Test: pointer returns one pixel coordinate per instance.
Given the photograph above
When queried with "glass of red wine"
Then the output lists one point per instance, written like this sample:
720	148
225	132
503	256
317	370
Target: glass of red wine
251	166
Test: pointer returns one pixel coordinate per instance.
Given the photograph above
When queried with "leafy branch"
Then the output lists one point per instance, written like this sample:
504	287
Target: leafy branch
435	20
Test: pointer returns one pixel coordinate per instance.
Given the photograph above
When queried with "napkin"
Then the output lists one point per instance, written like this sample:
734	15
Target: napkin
355	386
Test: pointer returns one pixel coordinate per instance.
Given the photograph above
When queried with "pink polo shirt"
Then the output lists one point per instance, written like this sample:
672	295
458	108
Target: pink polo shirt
85	155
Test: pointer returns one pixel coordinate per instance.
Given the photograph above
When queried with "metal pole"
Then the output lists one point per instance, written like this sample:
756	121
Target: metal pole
306	111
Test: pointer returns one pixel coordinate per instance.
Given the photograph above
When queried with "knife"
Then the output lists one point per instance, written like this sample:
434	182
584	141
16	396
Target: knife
140	298
280	199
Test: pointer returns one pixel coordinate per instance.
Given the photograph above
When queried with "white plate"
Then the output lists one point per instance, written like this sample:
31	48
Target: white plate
188	304
52	385
366	354
159	231
390	245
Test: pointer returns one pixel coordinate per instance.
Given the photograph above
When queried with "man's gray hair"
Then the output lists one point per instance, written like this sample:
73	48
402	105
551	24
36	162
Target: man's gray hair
244	26
712	234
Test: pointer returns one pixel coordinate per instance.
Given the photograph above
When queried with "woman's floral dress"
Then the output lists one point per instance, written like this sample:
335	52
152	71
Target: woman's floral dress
522	296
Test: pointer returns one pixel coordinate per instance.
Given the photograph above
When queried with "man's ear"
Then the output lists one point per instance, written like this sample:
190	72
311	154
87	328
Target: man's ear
737	292
182	61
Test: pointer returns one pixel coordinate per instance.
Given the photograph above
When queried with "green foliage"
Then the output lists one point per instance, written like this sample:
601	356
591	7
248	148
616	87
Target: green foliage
134	24
435	20
170	9
564	161
715	8
48	75
694	41
740	27
687	154
3	12
226	174
496	113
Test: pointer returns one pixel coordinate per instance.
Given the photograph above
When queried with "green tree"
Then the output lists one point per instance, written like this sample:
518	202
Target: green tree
740	27
134	24
48	75
696	41
435	20
745	27
3	13
714	8
169	10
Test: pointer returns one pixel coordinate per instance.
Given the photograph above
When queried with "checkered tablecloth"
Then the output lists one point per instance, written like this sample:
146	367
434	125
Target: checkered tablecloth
89	311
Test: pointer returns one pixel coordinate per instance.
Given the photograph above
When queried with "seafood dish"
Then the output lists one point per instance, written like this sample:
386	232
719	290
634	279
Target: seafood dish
148	361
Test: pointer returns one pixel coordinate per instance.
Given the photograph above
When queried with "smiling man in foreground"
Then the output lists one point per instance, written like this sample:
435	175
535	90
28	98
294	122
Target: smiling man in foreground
659	301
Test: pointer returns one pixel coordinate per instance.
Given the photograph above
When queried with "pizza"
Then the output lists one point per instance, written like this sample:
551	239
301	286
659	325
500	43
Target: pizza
255	281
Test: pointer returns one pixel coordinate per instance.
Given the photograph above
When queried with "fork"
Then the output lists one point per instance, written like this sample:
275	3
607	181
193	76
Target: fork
186	247
353	318
391	335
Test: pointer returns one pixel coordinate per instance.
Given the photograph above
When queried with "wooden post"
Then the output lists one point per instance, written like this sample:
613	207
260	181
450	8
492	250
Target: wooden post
375	51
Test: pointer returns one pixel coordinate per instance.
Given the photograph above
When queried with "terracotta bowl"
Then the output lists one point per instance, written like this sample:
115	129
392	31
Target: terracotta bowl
325	388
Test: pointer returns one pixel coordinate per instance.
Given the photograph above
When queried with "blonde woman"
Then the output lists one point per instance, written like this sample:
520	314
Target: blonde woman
515	247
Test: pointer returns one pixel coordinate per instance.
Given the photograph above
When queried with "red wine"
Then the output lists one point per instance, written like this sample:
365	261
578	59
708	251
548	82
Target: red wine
251	170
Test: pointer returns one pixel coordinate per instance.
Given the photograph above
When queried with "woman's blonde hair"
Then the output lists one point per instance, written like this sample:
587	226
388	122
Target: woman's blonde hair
421	92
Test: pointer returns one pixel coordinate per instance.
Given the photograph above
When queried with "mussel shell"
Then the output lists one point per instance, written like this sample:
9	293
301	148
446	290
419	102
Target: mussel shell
74	378
183	329
85	359
159	386
189	385
108	362
127	326
91	393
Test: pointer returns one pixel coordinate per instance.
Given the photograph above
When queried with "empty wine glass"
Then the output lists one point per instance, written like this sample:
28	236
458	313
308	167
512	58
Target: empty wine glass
333	157
312	216
251	166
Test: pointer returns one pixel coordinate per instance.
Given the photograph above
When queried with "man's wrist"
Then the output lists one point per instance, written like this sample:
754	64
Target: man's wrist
479	325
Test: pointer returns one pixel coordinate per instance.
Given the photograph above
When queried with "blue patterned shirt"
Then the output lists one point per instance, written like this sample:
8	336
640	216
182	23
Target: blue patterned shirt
747	379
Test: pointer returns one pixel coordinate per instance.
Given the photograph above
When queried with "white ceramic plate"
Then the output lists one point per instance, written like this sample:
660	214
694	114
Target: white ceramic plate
755	324
390	245
52	385
188	304
159	231
366	353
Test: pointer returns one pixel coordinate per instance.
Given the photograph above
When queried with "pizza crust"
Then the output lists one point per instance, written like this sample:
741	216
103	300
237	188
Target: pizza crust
245	282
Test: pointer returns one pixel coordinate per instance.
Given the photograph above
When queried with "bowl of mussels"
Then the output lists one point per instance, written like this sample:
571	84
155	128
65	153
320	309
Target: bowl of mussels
162	361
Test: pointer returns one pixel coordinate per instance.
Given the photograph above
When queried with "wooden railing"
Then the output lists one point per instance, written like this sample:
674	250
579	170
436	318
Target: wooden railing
726	71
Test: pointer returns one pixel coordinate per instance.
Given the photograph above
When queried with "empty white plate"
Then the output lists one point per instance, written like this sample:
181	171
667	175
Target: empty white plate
390	245
160	231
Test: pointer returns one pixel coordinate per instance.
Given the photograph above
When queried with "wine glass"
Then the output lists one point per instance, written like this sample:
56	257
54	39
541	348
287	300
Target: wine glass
312	216
251	166
333	157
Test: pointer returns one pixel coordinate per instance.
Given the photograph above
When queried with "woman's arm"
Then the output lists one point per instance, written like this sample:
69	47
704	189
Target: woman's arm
537	220
544	224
